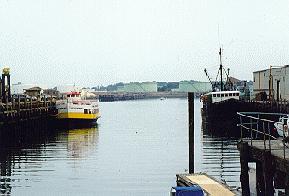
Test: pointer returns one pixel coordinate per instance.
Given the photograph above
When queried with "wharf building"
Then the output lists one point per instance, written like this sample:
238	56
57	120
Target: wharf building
272	83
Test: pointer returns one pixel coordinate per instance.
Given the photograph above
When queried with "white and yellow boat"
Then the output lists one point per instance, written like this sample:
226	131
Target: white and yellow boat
74	109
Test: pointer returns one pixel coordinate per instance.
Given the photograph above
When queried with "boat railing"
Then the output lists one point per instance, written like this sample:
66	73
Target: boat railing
255	124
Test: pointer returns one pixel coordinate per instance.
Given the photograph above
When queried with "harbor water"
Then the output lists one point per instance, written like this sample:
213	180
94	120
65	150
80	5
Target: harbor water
137	149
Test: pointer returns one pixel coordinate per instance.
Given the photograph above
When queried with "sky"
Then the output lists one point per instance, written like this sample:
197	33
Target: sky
99	42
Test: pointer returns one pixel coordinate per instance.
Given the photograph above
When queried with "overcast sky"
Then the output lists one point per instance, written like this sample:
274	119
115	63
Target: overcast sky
93	42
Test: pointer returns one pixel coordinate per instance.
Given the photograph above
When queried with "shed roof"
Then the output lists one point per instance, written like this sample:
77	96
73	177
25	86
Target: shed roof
36	88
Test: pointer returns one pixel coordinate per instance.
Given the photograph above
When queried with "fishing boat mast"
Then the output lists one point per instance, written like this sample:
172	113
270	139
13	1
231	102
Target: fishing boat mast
221	68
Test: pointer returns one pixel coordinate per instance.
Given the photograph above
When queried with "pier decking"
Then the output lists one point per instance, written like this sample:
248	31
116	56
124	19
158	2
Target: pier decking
208	184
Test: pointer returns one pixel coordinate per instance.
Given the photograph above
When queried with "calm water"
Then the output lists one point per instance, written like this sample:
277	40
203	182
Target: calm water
137	149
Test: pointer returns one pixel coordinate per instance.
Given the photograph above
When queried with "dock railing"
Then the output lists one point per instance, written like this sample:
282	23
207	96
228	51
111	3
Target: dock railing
258	127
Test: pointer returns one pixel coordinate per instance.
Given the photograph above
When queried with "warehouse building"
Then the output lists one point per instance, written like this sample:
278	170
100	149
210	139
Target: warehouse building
279	82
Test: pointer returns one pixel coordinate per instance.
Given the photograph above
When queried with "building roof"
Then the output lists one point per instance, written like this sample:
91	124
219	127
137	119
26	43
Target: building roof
234	80
36	88
262	70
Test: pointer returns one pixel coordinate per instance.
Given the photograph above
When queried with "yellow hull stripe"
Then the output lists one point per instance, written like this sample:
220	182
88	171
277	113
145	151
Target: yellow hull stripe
74	115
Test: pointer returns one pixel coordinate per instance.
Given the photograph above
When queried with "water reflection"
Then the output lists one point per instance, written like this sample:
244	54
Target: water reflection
29	155
137	150
81	141
220	158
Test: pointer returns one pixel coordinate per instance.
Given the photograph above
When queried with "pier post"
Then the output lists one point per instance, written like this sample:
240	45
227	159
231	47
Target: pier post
191	132
260	186
268	173
244	176
286	183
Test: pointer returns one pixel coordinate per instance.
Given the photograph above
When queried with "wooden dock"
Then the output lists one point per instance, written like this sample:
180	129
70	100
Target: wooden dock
270	154
209	185
272	165
24	110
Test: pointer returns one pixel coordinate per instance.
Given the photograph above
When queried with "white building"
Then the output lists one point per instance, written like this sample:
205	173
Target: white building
68	88
19	88
280	82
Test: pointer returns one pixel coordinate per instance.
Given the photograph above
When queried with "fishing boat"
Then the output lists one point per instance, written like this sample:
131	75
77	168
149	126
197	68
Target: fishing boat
215	97
73	109
282	126
221	90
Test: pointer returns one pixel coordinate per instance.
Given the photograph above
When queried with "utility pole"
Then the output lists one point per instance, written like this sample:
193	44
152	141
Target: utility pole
270	84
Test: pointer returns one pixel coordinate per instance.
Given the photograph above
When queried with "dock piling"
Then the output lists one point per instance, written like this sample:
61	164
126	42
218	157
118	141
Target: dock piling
191	132
268	173
259	179
244	176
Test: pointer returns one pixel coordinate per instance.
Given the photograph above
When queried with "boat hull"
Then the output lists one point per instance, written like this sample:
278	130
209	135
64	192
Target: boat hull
75	122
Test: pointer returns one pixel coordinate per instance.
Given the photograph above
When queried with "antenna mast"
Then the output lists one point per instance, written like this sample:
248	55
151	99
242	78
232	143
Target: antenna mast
221	68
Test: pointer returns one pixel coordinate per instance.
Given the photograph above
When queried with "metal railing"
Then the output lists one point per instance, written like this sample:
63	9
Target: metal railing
253	123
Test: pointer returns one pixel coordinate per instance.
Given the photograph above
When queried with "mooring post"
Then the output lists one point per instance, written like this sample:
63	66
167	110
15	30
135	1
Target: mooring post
260	186
191	132
268	172
286	184
244	159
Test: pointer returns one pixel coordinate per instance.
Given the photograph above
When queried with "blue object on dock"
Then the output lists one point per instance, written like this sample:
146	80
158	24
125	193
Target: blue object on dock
194	190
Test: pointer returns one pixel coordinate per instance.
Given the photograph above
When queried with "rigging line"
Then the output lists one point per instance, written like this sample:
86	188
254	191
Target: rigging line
217	75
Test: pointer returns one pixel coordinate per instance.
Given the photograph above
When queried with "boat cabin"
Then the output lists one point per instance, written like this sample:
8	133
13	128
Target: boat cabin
219	96
73	95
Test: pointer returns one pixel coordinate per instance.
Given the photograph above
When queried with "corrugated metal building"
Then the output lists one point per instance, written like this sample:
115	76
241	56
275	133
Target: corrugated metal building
280	82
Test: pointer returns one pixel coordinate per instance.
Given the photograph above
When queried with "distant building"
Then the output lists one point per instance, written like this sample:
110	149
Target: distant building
18	88
67	88
138	87
51	92
280	82
195	86
34	91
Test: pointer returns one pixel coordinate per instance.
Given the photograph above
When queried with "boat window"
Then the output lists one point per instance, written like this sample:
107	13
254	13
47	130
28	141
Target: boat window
234	94
218	95
230	94
285	121
214	95
226	95
85	111
222	95
237	94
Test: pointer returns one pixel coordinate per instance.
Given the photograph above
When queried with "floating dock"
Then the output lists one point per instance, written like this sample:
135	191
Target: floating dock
209	185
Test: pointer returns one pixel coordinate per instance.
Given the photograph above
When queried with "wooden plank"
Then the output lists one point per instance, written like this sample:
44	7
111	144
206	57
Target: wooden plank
208	184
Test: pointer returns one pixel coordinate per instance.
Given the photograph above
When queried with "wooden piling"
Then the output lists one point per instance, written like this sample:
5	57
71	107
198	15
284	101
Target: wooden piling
260	187
268	173
244	176
191	131
286	184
